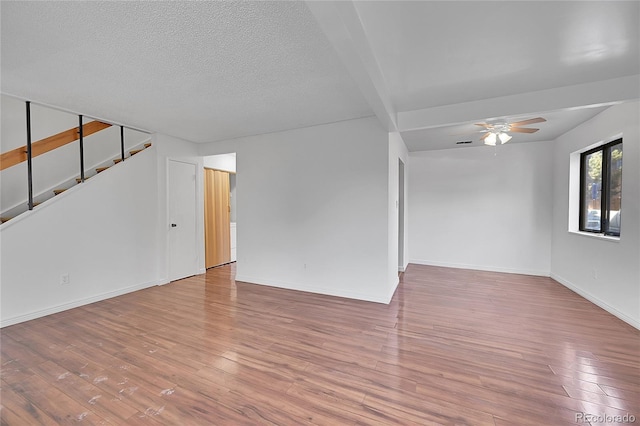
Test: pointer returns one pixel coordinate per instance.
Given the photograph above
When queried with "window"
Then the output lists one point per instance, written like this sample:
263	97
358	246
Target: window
601	189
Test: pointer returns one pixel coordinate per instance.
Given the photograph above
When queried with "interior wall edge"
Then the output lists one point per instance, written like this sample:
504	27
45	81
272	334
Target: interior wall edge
596	301
76	303
392	291
313	289
476	267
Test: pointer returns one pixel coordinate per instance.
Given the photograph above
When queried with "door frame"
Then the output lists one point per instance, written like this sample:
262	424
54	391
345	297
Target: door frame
401	214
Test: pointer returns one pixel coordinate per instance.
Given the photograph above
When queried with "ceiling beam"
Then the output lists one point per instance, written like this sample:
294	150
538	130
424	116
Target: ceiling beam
341	24
569	97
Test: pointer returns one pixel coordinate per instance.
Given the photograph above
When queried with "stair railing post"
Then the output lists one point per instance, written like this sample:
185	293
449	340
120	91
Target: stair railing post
80	131
122	142
29	158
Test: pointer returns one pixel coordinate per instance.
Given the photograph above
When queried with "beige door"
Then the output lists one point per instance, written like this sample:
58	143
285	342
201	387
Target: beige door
216	218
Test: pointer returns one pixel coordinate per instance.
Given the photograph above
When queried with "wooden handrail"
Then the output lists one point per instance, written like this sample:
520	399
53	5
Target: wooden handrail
18	155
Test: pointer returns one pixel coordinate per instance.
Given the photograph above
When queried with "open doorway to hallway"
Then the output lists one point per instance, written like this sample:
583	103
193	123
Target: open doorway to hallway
220	209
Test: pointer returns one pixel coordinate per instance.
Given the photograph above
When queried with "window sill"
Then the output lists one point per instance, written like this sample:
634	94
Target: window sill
597	236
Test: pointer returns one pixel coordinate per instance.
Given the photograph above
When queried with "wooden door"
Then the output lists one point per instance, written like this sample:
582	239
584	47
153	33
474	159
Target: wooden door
216	218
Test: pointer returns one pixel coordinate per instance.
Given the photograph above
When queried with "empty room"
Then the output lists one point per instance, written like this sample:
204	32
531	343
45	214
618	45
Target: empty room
318	212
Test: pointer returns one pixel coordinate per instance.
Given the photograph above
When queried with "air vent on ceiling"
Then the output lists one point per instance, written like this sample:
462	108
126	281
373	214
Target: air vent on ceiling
462	142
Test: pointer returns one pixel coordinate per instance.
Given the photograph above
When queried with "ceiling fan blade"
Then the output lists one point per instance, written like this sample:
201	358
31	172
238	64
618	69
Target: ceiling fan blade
529	121
523	130
466	133
484	136
485	125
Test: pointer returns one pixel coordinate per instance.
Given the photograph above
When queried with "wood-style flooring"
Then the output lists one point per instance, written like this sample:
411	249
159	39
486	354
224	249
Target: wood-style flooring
453	347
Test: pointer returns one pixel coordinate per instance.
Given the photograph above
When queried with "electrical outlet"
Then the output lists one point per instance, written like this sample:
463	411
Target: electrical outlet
64	279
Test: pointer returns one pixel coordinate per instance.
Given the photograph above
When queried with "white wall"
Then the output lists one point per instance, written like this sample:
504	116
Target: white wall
482	208
604	271
53	168
103	233
313	208
318	197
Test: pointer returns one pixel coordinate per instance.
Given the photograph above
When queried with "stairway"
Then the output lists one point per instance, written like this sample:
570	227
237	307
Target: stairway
53	175
102	169
78	180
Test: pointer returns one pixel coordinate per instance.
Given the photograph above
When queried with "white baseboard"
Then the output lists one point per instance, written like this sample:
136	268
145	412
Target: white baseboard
76	303
481	267
597	301
312	289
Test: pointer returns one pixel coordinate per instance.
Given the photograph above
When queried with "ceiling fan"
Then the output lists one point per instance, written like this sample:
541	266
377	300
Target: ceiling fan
498	131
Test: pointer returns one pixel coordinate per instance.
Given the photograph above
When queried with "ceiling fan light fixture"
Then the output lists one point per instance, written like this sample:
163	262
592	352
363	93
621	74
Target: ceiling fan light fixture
494	131
504	138
491	139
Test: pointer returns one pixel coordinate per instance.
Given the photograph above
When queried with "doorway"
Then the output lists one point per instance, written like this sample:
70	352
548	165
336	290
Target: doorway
400	216
219	209
217	223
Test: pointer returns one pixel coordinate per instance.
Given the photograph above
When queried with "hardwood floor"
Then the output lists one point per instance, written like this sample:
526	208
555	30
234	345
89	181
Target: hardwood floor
454	347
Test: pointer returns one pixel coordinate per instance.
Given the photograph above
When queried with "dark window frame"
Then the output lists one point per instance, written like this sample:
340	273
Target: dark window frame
605	197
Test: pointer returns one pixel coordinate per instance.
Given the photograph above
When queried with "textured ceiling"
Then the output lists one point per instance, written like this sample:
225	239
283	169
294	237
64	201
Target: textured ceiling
436	53
209	71
470	61
202	71
445	137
